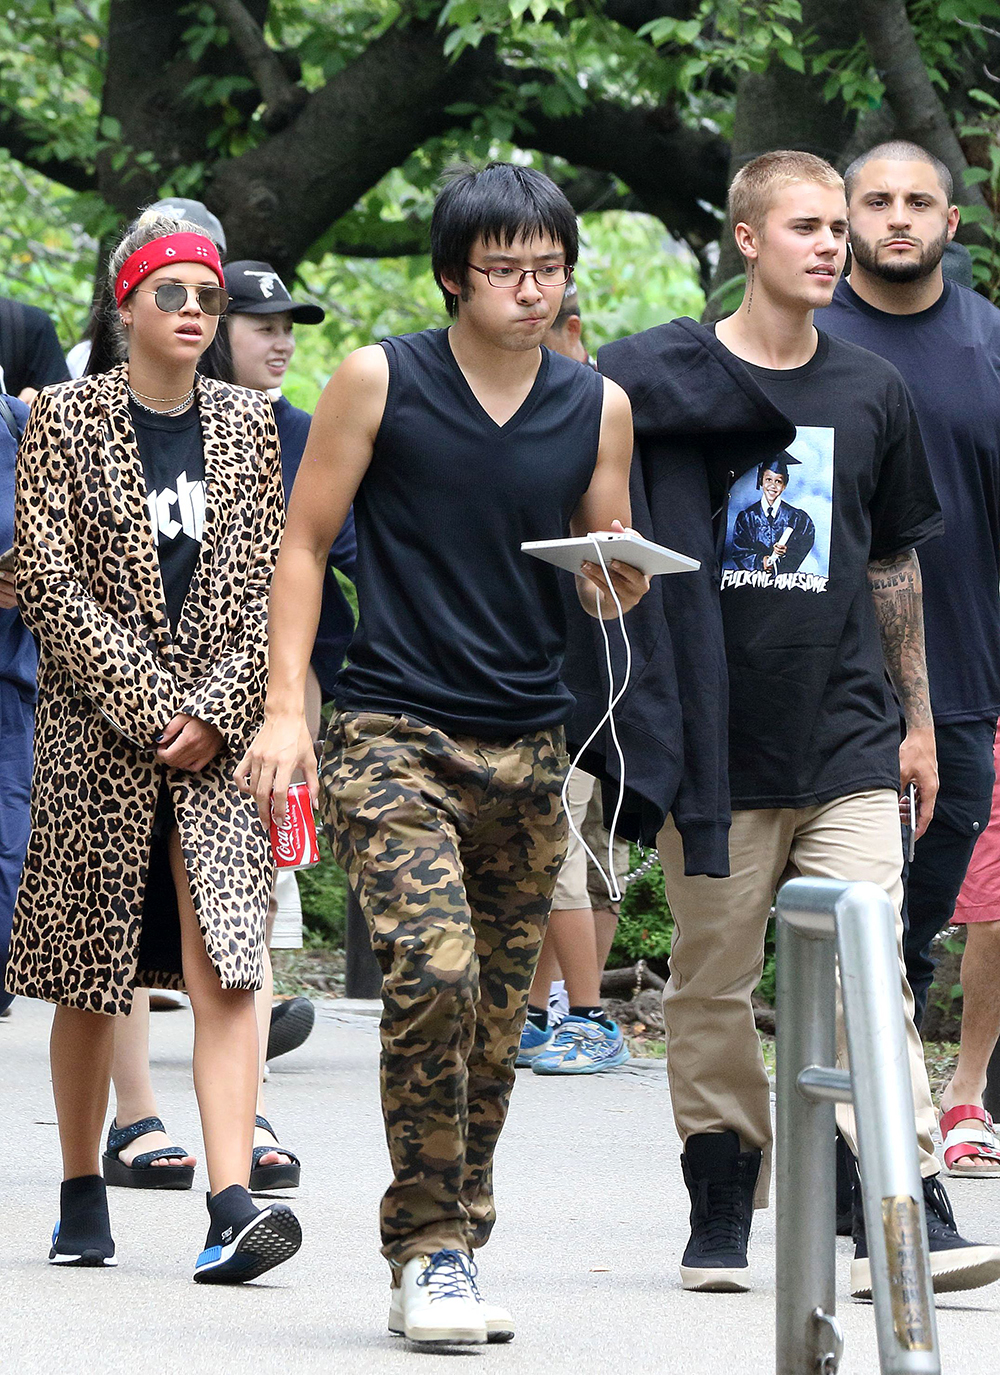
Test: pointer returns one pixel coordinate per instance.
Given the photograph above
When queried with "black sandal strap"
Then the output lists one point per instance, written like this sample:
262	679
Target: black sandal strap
144	1161
265	1125
259	1151
120	1137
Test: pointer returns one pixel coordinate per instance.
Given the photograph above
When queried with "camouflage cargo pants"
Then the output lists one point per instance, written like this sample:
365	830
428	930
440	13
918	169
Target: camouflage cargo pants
453	845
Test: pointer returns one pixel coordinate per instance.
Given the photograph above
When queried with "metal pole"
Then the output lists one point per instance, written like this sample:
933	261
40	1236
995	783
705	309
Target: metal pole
895	1221
810	912
805	1152
362	976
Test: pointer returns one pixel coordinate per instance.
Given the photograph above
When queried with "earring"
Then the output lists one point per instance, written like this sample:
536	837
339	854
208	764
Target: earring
750	296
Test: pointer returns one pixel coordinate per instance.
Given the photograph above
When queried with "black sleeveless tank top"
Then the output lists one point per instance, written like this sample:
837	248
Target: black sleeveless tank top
457	627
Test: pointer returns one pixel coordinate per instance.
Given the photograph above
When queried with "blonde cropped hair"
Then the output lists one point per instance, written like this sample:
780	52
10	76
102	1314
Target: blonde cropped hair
757	183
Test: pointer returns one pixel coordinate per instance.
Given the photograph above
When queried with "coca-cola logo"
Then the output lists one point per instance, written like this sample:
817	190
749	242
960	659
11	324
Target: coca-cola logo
289	837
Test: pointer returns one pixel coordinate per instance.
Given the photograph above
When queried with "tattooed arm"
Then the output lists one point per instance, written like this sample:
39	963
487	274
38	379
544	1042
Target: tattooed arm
898	598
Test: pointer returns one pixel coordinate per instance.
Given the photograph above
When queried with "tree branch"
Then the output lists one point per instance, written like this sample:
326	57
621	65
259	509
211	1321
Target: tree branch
282	98
920	114
675	172
23	142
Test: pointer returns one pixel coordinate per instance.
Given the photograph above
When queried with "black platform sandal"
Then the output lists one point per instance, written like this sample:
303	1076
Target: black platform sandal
141	1174
264	1178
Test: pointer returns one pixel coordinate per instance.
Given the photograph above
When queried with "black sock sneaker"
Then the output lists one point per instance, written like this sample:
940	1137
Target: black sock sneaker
847	1177
955	1263
721	1180
243	1240
82	1235
539	1017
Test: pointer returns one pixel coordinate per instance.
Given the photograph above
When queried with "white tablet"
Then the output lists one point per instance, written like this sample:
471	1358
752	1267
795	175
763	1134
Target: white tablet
640	553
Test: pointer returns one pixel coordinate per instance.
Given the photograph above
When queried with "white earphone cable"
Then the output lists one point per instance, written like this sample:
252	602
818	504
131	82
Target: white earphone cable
610	877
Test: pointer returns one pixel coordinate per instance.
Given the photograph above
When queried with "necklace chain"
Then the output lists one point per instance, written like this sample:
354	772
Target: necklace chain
144	397
183	402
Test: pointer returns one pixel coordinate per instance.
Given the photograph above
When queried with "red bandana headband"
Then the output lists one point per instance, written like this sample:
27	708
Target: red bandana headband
172	248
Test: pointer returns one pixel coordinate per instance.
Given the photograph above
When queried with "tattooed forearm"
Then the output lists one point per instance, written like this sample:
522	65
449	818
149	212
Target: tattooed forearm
898	597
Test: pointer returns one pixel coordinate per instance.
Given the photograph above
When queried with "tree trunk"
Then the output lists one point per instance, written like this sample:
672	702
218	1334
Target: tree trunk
781	108
915	101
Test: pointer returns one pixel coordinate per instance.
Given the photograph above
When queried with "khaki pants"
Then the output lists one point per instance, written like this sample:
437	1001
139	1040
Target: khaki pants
714	1061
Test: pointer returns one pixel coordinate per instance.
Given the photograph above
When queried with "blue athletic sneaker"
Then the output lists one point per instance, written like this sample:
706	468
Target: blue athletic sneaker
533	1042
581	1046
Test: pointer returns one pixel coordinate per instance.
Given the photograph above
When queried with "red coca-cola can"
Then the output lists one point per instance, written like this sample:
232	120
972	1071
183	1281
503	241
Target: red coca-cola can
294	842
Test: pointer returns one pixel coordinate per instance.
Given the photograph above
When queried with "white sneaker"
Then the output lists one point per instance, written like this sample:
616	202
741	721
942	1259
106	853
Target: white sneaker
499	1323
436	1302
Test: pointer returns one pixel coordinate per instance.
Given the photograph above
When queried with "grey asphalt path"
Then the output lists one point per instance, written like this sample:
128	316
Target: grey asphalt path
592	1224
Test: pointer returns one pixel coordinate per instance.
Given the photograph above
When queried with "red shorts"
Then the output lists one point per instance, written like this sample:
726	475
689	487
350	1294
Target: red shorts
979	899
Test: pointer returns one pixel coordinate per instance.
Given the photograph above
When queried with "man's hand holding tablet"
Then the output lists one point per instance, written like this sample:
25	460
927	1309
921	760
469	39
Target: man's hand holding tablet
630	582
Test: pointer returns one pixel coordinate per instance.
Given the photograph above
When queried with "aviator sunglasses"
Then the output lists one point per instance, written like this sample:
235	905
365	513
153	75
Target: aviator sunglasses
172	296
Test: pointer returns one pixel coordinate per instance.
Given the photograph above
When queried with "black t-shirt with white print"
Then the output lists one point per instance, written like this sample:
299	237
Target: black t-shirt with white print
173	462
812	715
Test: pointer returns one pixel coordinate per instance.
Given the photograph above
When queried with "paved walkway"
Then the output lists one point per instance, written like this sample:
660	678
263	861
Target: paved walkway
593	1220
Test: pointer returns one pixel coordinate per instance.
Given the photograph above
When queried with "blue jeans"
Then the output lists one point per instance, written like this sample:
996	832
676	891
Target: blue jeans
17	720
933	880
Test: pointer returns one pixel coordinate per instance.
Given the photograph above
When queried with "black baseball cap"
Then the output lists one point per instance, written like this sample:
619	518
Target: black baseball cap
256	289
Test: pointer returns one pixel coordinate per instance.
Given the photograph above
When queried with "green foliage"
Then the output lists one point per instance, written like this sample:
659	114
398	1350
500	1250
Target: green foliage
946	30
986	255
645	926
323	892
48	245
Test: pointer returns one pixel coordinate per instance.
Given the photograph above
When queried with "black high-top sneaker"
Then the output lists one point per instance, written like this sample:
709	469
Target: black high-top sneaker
955	1262
721	1181
847	1175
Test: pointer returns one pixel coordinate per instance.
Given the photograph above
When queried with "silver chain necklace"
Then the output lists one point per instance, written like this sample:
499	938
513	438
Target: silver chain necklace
182	405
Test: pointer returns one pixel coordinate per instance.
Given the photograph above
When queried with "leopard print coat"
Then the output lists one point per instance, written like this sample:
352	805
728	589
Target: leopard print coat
111	675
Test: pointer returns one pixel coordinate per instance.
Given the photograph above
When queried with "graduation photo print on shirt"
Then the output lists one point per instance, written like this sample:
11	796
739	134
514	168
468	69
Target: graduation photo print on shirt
778	527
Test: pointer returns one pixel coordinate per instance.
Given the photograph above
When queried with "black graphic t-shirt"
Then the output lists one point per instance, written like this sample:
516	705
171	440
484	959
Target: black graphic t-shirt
812	715
173	462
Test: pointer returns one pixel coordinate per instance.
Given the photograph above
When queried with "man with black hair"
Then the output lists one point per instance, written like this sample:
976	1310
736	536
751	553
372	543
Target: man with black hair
445	758
945	340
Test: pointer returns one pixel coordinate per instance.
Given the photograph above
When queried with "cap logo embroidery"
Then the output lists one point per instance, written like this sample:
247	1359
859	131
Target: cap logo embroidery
267	282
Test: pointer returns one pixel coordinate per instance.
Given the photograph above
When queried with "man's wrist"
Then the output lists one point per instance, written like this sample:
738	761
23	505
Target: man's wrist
920	724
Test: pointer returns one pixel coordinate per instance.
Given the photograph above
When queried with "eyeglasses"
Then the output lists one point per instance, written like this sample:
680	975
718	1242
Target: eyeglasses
552	274
173	296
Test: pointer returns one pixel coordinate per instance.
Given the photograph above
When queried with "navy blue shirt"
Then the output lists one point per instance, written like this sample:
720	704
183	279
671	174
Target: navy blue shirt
18	654
336	619
949	357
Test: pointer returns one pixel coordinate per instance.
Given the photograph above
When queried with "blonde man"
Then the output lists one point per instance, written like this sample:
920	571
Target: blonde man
815	760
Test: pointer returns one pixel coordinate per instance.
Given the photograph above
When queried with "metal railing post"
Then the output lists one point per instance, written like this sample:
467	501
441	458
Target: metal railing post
891	1188
807	1203
811	914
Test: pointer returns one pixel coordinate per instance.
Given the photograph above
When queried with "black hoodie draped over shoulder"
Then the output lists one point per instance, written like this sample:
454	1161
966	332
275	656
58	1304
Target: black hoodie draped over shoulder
700	422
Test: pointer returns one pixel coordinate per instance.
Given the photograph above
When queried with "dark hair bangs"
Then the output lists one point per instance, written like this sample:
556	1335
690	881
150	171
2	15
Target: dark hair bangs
498	205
